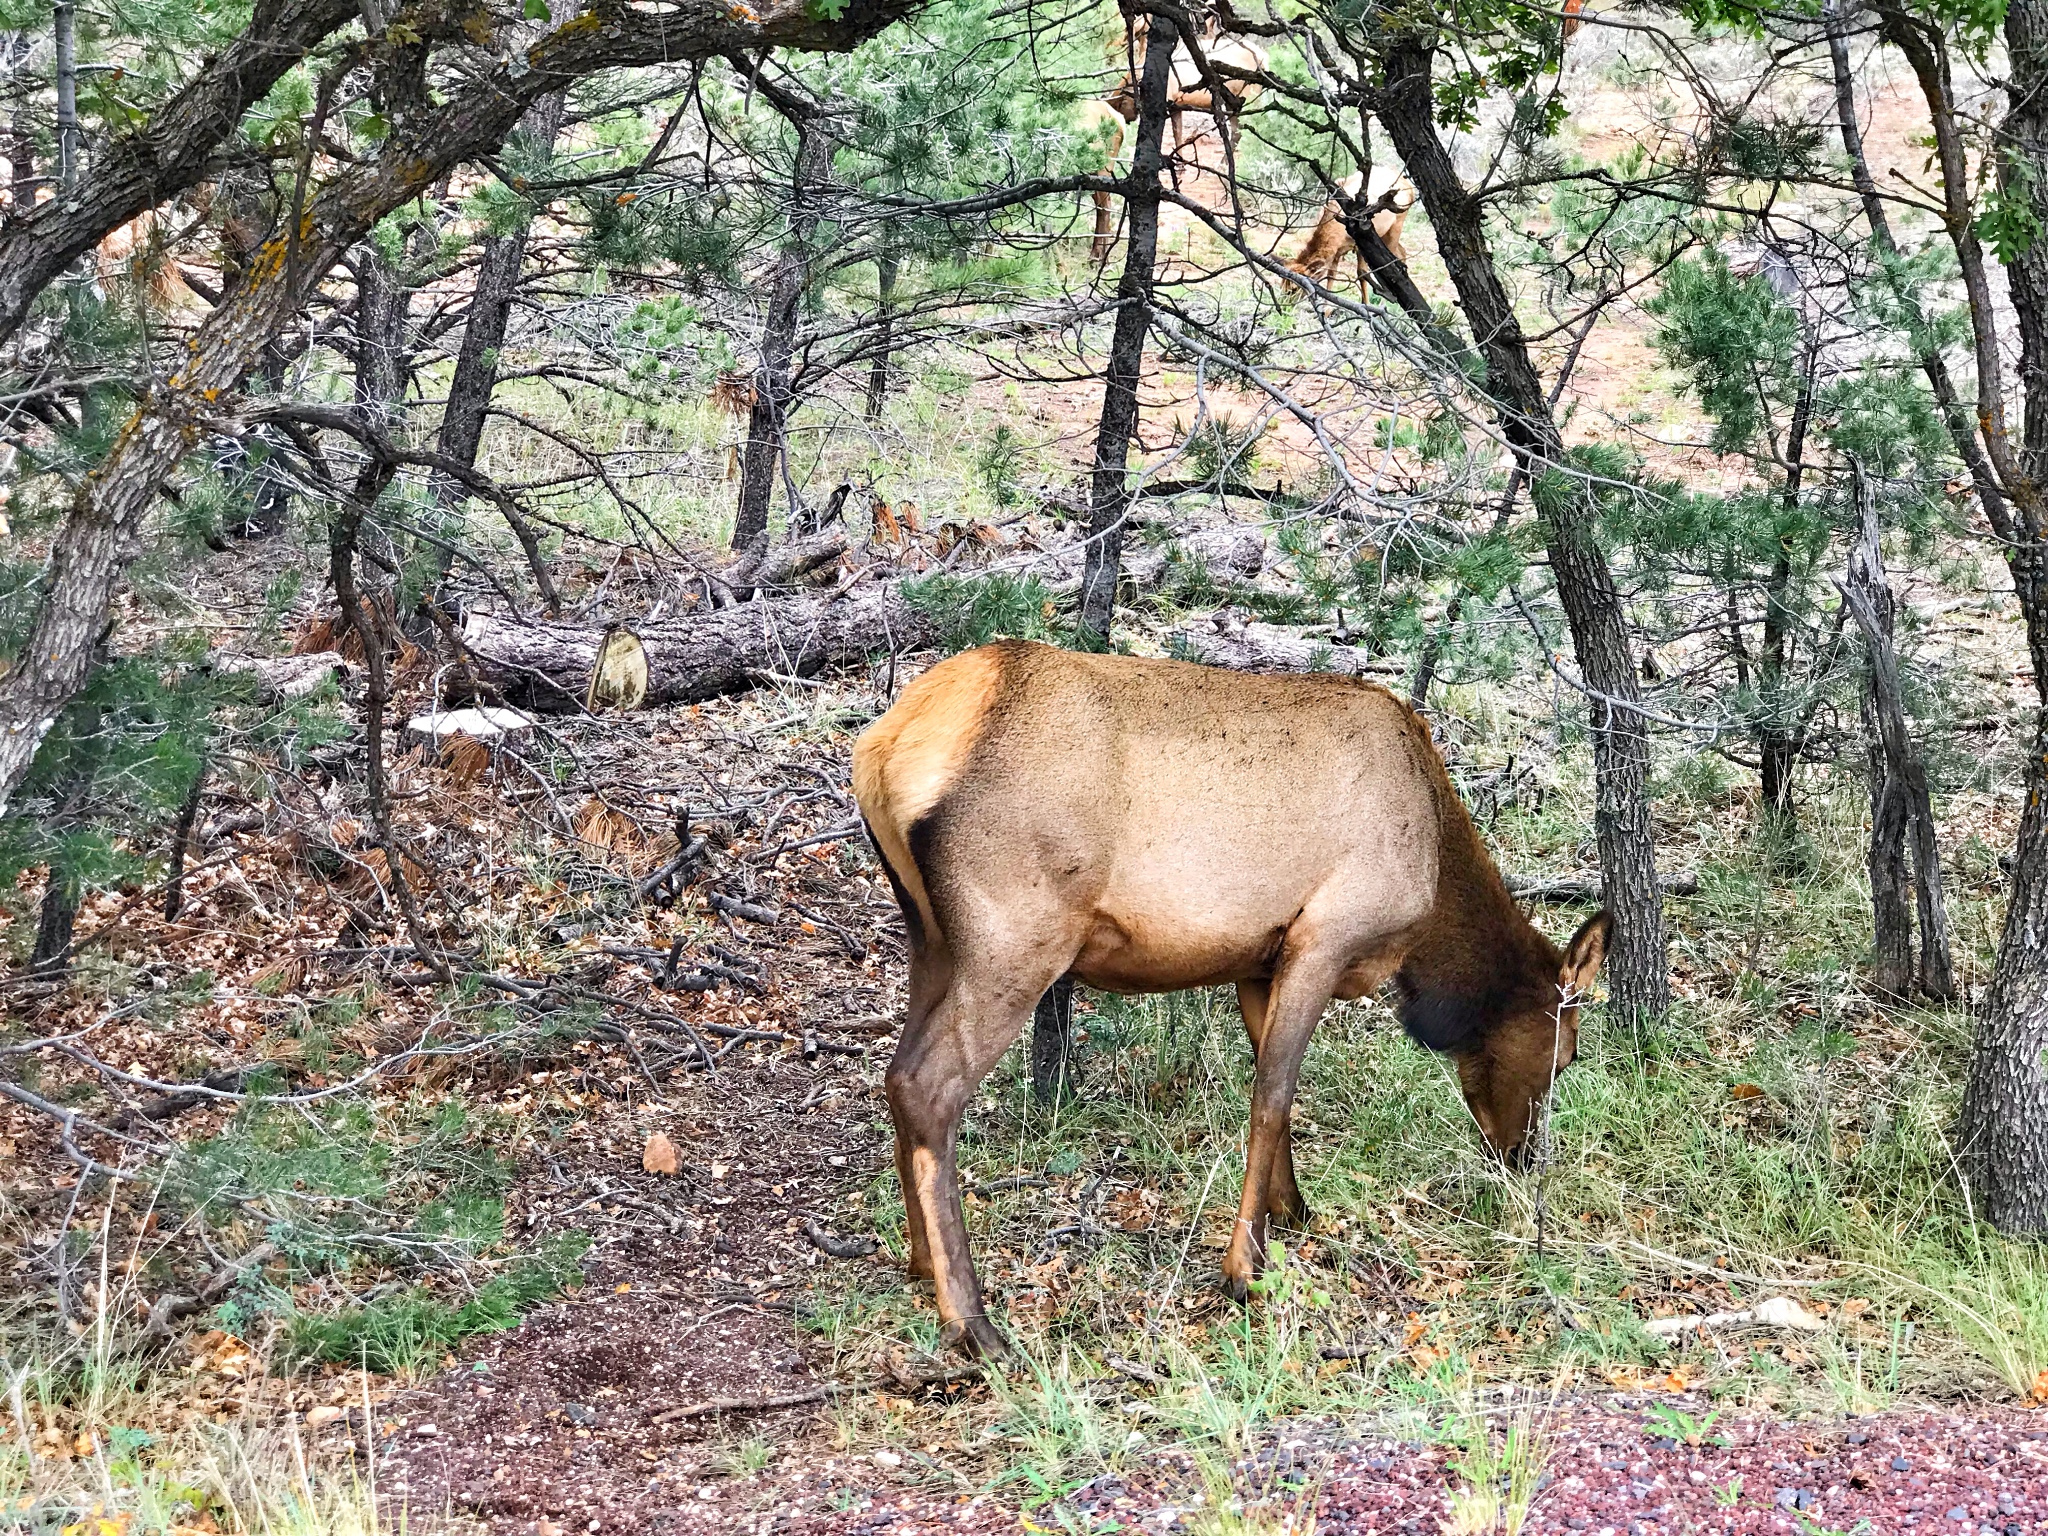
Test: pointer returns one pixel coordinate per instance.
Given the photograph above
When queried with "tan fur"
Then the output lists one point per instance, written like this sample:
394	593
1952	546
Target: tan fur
1187	90
1099	121
909	758
1329	242
1150	826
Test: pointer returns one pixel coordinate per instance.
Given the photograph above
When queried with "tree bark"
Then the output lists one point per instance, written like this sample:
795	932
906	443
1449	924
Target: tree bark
1956	417
1778	734
1109	496
358	614
1637	969
102	532
885	331
65	24
383	299
2002	1133
767	423
1901	813
1052	1040
54	922
476	363
175	150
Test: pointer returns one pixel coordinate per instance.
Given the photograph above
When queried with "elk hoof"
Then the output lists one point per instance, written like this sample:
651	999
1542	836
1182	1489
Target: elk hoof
1237	1287
974	1337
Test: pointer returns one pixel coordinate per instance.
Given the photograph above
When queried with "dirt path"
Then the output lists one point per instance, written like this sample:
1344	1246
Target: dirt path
690	1293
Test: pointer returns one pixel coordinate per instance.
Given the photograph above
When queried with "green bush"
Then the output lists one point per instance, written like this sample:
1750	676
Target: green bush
973	610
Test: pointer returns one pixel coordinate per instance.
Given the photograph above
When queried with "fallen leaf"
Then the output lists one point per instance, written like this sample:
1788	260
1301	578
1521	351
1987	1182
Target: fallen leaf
660	1154
1745	1091
2039	1395
321	1417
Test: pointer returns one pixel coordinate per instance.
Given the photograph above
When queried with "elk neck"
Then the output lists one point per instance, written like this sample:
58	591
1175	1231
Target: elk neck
1477	958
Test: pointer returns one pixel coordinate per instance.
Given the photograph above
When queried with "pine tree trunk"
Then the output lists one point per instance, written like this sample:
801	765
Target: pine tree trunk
1869	598
885	332
1638	973
1955	416
1052	1040
1109	496
476	363
166	156
65	23
1778	738
52	953
768	421
382	301
2002	1133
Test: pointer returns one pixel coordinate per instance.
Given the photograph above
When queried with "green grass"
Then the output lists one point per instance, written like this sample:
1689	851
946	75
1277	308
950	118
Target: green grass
412	1331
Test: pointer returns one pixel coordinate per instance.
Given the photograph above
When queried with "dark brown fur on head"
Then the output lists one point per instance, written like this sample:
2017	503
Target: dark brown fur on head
1506	1006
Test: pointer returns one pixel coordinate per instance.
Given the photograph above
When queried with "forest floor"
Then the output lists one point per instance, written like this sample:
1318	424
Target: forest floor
1433	1379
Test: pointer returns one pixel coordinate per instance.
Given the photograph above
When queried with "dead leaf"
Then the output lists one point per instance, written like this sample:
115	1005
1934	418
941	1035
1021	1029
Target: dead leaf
660	1155
465	758
886	529
1745	1091
321	1417
2038	1396
602	826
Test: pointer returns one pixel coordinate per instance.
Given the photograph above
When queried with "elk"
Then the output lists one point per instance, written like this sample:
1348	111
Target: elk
1296	836
1187	90
1099	123
1331	238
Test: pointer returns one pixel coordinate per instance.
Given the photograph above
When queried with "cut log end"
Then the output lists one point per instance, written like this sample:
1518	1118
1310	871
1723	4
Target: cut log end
618	679
495	727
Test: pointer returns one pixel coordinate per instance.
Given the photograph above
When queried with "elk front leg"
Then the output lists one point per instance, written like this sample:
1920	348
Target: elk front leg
1299	992
1283	1193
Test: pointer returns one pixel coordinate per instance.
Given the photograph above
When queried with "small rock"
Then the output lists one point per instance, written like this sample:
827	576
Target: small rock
324	1415
579	1415
1900	1464
888	1459
1858	1437
1785	1312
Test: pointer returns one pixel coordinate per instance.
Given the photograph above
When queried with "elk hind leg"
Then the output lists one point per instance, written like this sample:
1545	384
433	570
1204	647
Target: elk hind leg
1105	227
1284	1199
930	974
940	1061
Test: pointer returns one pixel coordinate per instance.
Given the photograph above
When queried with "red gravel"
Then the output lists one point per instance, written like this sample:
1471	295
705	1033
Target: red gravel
1984	1474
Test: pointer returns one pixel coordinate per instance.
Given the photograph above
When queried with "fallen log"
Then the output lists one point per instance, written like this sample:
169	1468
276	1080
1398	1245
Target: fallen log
1587	888
280	679
1231	640
700	655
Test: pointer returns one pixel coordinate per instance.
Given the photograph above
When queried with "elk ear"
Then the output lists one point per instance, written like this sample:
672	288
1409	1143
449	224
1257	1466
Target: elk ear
1583	956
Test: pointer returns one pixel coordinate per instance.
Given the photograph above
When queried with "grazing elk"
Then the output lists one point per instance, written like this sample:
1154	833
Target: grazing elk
1149	826
1187	89
1331	239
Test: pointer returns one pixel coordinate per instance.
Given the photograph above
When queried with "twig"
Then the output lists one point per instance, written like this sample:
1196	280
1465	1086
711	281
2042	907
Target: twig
752	912
817	1394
